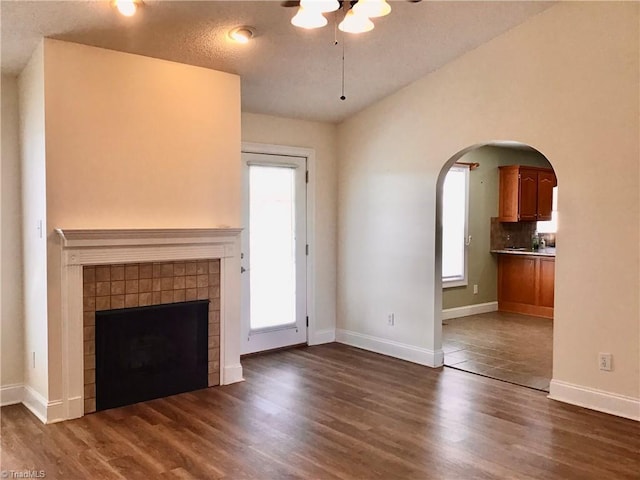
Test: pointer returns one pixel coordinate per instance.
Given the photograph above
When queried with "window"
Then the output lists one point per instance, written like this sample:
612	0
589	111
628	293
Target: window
552	225
455	226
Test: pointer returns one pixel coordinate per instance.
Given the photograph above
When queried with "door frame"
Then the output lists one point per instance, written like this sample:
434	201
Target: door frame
310	155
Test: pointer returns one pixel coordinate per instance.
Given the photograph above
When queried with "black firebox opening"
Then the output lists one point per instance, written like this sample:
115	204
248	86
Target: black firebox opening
150	352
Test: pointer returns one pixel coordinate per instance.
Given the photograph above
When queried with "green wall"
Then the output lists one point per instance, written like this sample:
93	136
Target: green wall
483	204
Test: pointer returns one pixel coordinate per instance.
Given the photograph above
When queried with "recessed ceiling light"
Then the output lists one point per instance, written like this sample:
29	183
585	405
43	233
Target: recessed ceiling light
242	34
127	8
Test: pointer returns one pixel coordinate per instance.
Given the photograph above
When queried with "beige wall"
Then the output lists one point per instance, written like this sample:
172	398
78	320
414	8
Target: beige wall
565	82
11	319
135	142
320	137
484	184
33	172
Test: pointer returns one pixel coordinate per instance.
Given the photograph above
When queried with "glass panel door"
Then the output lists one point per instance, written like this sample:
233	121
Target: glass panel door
274	258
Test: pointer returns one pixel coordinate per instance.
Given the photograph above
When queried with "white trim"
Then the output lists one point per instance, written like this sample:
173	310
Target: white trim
456	282
11	394
391	348
468	310
310	155
594	399
35	402
56	411
232	374
323	336
100	247
143	236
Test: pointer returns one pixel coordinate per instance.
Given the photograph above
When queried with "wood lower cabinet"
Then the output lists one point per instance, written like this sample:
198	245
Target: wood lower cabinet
526	284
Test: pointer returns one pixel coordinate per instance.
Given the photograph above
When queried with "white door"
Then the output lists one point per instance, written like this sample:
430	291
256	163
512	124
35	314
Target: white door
274	248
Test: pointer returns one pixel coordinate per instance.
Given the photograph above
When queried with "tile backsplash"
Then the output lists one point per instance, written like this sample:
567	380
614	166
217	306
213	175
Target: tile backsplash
511	234
516	234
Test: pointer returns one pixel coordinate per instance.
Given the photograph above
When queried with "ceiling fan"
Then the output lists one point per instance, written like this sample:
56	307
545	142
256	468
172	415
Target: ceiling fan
296	3
357	16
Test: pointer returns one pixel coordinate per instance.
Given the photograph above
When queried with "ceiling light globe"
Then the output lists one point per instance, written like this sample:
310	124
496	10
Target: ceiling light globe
126	7
322	6
372	8
355	23
308	19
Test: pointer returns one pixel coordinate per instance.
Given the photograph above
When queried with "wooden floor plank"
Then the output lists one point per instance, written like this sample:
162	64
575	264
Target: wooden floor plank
332	412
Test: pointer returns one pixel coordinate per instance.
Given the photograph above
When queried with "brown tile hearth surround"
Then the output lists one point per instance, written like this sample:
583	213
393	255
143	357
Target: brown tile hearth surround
108	287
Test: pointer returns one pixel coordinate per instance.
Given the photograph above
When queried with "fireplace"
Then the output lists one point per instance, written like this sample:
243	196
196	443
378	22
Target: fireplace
150	352
119	269
113	287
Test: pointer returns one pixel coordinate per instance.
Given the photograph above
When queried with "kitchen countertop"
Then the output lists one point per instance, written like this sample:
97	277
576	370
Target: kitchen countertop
543	252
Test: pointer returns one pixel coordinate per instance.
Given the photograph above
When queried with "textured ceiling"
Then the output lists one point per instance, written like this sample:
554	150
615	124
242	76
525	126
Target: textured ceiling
285	71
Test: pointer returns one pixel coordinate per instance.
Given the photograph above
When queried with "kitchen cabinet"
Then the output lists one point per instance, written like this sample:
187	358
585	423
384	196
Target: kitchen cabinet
526	194
526	284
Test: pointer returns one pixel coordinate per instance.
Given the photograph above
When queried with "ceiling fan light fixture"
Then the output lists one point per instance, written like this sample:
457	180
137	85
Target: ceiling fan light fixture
355	22
242	34
308	19
322	6
372	8
128	8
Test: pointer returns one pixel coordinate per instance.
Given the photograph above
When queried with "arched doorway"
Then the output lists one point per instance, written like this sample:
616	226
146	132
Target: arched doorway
496	300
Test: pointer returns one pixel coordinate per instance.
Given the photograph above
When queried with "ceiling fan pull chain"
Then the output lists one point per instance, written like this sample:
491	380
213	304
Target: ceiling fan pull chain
343	96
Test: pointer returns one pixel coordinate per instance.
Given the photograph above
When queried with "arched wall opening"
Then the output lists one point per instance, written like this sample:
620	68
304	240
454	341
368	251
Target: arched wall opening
511	152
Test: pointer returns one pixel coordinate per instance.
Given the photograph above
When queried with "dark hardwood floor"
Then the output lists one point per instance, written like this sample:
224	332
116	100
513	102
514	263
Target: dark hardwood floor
507	346
332	412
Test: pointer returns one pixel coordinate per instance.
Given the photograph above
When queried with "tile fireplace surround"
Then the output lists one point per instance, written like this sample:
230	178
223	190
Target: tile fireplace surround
108	287
113	250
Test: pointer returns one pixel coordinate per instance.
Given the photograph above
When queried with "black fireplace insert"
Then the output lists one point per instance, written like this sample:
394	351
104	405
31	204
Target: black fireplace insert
150	352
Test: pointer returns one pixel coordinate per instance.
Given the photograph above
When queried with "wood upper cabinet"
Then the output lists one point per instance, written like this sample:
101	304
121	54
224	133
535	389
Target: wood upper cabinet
546	182
526	193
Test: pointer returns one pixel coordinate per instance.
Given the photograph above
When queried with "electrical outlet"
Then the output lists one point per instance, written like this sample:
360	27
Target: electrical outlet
605	361
475	289
391	319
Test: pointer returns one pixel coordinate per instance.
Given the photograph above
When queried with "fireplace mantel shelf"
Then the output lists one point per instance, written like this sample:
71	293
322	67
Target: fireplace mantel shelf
78	238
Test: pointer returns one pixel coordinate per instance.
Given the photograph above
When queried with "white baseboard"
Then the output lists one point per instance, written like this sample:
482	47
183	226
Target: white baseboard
76	407
46	411
232	374
391	348
469	310
607	402
36	403
55	412
11	394
323	336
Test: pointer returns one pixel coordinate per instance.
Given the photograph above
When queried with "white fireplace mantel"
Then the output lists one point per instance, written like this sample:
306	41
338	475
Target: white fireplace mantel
102	247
